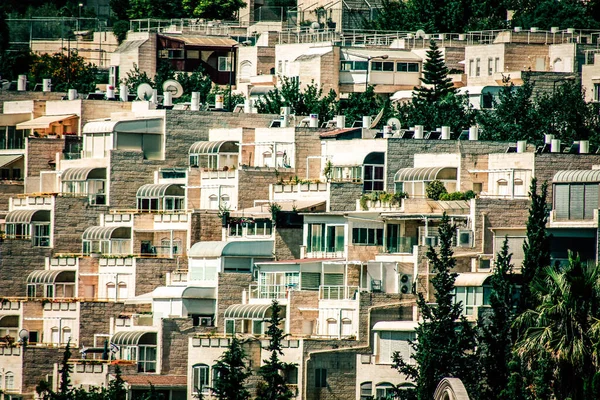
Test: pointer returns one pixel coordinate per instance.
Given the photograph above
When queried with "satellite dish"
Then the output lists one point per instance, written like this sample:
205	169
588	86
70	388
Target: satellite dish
315	26
173	87
24	335
394	123
420	33
144	91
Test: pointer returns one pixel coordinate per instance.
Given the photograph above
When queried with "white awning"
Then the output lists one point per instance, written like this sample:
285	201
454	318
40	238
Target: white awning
250	248
51	276
573	176
184	292
214	147
107	233
82	174
45	121
160	190
26	216
425	174
396	326
471	279
141	125
402	95
251	311
133	338
9	159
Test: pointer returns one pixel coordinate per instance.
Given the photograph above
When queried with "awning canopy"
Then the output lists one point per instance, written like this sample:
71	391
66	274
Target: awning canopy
572	176
357	157
206	41
260	90
51	276
425	174
251	311
396	326
83	174
9	321
471	279
184	292
9	159
45	121
133	338
27	216
107	233
160	190
250	248
213	147
139	125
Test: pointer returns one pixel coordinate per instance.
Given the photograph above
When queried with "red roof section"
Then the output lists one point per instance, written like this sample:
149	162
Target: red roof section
155	380
337	132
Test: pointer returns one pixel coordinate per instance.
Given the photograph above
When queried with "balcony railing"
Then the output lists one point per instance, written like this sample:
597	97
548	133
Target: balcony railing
327	253
402	245
338	292
269	291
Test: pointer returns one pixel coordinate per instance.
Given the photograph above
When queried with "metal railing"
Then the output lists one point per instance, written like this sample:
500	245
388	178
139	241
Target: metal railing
338	292
269	291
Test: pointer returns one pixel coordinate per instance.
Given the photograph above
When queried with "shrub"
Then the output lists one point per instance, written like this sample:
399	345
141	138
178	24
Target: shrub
435	189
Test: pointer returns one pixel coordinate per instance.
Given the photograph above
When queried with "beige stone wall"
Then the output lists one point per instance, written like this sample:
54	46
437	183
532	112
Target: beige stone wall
7	190
287	243
72	216
588	72
151	272
363	253
308	143
254	184
229	292
18	260
206	226
39	152
497	213
299	318
37	363
95	109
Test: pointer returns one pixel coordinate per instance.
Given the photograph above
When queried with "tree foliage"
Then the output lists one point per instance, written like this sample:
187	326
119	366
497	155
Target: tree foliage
272	372
67	71
446	341
213	9
232	373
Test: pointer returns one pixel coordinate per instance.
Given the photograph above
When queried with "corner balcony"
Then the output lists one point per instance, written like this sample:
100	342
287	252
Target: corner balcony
306	252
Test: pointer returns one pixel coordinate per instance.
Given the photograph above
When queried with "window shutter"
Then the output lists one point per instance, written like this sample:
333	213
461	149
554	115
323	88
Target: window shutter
333	279
311	280
561	201
576	202
591	200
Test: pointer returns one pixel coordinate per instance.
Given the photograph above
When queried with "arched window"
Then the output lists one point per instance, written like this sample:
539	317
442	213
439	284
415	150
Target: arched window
1	381
66	334
9	381
366	390
54	335
383	390
557	65
502	187
332	327
347	327
213	202
111	290
519	187
200	378
225	200
245	69
122	290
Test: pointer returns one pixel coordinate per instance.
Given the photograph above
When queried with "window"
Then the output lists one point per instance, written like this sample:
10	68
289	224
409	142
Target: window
203	272
352	174
407	67
224	64
11	138
366	391
31	290
470	296
353	66
200	375
291	375
9	381
477	67
193	54
575	201
320	377
175	54
497	64
316	238
367	236
335	238
471	70
385	66
392	342
373	179
229	327
596	91
502	187
383	390
66	334
490	66
147	359
41	235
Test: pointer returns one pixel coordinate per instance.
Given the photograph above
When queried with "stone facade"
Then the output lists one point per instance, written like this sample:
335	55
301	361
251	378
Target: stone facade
175	338
38	362
206	226
253	184
547	164
343	195
72	216
287	243
94	318
151	272
7	190
301	320
18	258
229	292
40	152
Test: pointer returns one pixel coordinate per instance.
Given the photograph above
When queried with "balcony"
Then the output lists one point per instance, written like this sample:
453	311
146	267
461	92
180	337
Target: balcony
329	253
217	174
338	292
269	292
401	245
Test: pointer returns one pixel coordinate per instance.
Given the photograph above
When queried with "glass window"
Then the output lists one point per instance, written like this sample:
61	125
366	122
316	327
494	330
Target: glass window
224	64
316	237
392	342
200	375
376	66
147	359
367	236
320	377
335	238
346	66
388	66
471	69
229	327
470	296
41	235
478	67
373	179
9	381
497	64
366	390
490	66
291	375
384	391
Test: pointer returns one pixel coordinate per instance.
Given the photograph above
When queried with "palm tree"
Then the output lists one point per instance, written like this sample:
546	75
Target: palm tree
565	325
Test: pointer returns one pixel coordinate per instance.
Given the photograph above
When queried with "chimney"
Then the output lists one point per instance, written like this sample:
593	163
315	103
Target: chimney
548	138
445	132
521	146
22	83
366	122
555	146
248	106
313	122
195	106
46	85
584	146
167	99
72	94
474	133
418	132
123	92
340	121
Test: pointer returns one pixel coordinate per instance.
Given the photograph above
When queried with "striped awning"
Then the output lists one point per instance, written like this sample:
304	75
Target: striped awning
251	311
572	176
27	216
471	279
9	159
51	276
160	190
107	233
133	338
83	174
425	174
207	147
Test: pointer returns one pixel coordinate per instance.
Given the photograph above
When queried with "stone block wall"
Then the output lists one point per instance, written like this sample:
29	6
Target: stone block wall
175	343
253	184
298	318
363	253
129	171
308	143
18	258
287	243
206	226
343	195
341	375
39	152
151	272
369	302
37	363
23	96
72	216
229	292
8	190
94	318
95	109
496	213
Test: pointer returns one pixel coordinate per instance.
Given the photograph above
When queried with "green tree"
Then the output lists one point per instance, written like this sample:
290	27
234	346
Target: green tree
213	9
536	248
495	334
365	103
135	78
156	9
116	387
67	71
119	9
232	373
272	372
435	189
197	81
120	29
565	326
545	14
446	341
436	82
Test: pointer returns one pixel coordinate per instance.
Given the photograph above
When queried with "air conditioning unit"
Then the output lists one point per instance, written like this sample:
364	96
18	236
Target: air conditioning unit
430	241
405	284
464	238
205	321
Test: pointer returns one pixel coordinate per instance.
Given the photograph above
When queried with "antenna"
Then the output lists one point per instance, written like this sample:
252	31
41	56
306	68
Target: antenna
144	91
173	87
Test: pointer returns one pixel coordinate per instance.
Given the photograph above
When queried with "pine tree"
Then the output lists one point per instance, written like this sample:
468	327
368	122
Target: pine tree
64	387
273	370
445	347
435	75
232	373
495	345
537	247
116	387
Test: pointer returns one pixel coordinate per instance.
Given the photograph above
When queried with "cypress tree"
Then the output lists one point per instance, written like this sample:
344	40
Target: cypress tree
435	75
232	373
